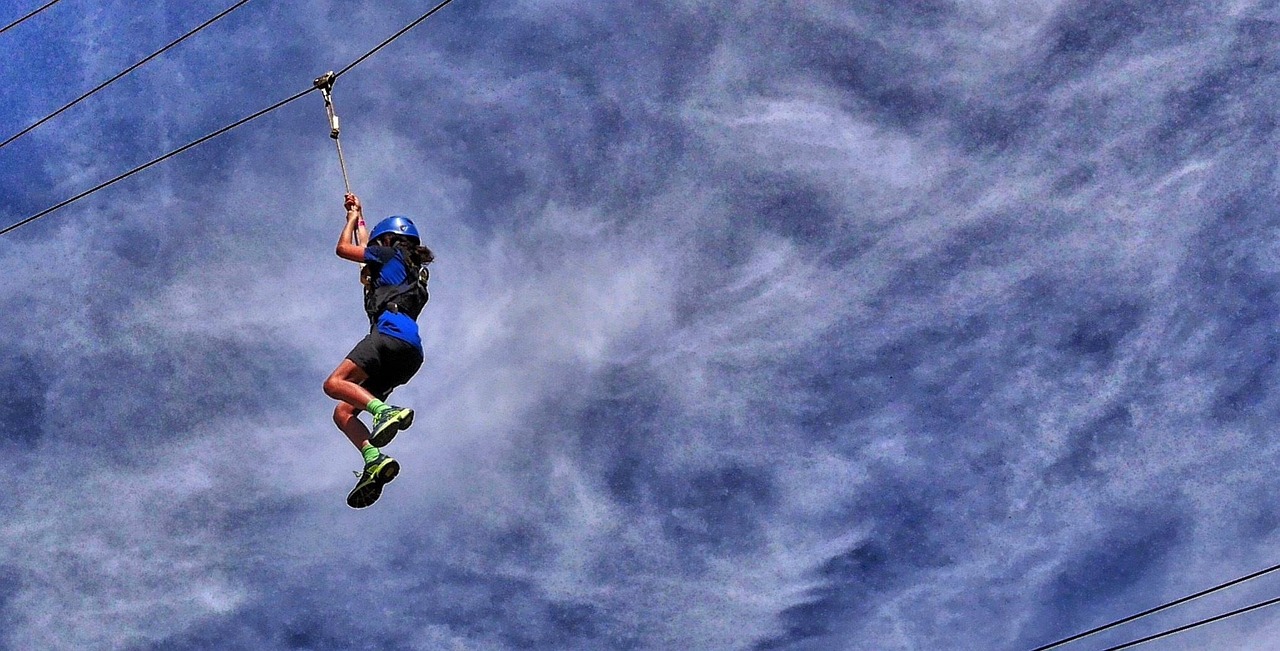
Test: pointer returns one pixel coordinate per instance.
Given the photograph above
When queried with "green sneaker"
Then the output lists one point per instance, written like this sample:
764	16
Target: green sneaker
389	423
369	487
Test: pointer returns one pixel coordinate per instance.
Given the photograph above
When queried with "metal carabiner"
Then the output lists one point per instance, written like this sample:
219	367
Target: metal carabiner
324	83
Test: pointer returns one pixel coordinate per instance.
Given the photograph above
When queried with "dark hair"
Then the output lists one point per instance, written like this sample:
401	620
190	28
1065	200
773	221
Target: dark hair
417	254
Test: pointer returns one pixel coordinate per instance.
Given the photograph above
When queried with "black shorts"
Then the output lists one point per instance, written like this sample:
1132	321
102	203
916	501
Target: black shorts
389	362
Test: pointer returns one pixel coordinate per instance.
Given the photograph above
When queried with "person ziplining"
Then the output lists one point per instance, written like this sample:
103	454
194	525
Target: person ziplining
394	295
395	278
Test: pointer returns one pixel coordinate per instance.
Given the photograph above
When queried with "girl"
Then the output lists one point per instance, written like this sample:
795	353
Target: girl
394	294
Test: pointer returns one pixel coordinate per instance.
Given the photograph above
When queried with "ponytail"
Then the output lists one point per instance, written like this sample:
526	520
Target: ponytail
416	254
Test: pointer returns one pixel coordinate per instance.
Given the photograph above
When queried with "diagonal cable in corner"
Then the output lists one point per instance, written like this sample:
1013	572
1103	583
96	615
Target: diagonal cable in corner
214	134
122	73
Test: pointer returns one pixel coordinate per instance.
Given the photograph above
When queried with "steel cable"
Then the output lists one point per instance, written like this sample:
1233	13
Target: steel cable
24	18
122	73
220	131
1152	611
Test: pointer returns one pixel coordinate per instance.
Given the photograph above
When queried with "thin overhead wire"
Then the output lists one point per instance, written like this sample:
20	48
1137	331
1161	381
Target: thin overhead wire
1186	627
214	134
24	18
393	37
1152	611
124	72
153	162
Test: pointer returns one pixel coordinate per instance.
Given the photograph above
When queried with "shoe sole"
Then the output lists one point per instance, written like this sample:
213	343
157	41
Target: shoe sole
366	495
389	431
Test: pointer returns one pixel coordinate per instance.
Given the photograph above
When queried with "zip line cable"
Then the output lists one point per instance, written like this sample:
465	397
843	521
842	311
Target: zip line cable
1239	611
156	161
393	37
325	85
219	132
1152	611
124	72
24	18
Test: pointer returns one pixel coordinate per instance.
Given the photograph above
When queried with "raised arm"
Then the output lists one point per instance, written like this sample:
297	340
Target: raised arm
351	241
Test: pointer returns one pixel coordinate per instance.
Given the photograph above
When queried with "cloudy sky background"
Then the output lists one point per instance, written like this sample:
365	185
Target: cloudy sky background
761	326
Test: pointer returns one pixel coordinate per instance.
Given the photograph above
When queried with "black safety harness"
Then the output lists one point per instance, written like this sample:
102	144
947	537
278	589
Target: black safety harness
408	297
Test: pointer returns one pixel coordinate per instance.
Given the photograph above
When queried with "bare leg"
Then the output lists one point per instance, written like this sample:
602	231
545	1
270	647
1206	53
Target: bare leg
345	417
344	385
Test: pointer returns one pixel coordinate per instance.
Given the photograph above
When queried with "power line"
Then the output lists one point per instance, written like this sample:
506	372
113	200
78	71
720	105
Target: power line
1152	611
1192	625
217	133
24	18
124	72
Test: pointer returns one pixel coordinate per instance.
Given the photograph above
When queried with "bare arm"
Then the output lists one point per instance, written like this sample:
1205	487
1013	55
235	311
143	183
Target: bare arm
362	232
351	241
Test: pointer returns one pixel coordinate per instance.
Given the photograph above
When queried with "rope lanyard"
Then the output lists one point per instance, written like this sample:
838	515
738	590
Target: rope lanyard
324	83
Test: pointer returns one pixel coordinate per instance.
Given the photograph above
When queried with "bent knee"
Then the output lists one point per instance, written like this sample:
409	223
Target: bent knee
333	384
330	385
343	413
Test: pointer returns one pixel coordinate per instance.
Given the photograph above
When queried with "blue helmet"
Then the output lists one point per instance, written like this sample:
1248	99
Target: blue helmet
395	224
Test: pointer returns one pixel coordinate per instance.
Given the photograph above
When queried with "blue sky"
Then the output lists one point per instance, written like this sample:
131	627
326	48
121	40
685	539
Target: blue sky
755	326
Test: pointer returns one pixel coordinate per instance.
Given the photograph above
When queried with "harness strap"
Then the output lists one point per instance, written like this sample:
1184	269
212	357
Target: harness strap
408	297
